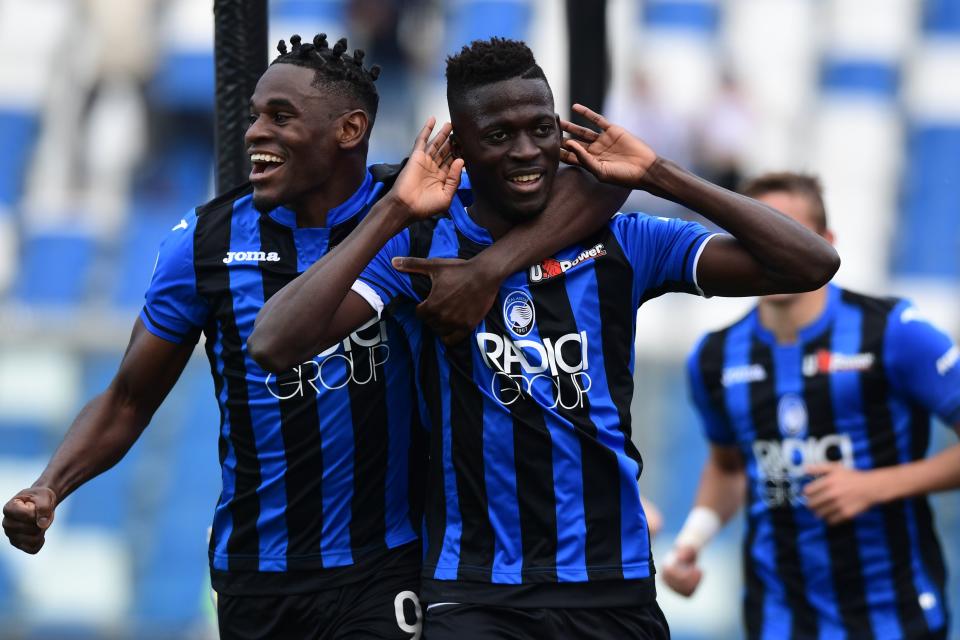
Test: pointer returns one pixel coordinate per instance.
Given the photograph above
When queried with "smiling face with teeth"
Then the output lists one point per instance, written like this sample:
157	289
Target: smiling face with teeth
509	138
306	145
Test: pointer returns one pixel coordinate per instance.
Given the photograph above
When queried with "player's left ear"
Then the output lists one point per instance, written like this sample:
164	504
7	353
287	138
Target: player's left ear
352	128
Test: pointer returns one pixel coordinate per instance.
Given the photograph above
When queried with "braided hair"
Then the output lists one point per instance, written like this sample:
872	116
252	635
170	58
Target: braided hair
335	70
484	62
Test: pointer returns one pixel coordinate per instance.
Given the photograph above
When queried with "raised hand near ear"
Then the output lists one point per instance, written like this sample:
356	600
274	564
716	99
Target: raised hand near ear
614	155
430	178
461	294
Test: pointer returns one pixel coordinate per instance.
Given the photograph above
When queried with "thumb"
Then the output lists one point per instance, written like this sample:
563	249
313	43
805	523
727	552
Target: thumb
685	554
44	503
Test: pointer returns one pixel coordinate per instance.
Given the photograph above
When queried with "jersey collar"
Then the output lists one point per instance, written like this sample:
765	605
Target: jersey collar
356	203
466	225
809	332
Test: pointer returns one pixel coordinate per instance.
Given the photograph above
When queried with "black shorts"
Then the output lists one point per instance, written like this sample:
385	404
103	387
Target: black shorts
386	607
482	622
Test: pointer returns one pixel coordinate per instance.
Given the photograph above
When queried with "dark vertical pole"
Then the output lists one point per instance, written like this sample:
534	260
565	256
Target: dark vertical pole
589	67
240	57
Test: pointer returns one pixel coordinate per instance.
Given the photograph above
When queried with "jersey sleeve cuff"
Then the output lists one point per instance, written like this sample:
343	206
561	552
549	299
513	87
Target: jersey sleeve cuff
696	262
366	292
164	331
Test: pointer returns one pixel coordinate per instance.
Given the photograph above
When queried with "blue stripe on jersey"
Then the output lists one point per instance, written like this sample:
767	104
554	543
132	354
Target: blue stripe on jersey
247	287
635	548
777	618
568	483
815	558
449	559
499	470
336	445
901	417
397	491
869	527
222	518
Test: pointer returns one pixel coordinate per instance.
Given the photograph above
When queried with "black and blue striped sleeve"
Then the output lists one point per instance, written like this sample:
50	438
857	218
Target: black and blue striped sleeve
715	425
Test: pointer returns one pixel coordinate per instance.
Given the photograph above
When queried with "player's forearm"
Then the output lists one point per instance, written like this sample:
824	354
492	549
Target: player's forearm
930	475
99	437
722	490
579	206
296	322
794	256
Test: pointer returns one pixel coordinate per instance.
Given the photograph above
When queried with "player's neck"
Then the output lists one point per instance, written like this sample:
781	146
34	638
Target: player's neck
313	208
486	215
785	318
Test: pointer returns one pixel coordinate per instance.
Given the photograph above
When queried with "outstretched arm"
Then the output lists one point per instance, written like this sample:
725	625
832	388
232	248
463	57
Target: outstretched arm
768	253
318	308
462	291
100	435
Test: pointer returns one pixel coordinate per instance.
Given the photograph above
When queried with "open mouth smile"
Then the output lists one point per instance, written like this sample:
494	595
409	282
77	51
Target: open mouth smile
263	164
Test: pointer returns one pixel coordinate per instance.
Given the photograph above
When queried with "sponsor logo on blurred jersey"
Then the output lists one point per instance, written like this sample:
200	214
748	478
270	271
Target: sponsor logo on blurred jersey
551	267
182	225
782	464
518	313
251	256
742	374
358	359
824	361
948	360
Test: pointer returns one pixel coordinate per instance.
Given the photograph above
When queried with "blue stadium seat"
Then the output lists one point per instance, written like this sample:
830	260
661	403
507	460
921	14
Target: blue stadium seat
55	267
145	231
928	243
469	20
875	78
24	438
307	11
18	130
691	15
184	81
941	17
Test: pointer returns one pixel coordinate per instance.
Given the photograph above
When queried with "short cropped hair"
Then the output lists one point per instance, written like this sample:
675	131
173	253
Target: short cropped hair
484	62
799	184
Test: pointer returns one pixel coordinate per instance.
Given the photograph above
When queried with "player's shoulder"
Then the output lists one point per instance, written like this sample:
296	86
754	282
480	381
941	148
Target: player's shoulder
882	306
224	204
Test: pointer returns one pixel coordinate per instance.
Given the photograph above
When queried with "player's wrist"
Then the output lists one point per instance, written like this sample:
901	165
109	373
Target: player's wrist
701	525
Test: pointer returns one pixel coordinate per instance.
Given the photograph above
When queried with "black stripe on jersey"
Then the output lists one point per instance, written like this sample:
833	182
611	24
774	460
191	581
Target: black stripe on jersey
599	466
371	440
421	239
763	403
883	451
842	544
617	325
533	468
211	243
712	361
299	421
466	434
339	232
753	598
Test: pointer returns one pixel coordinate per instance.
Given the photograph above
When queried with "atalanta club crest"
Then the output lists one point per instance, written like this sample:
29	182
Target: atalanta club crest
792	416
518	313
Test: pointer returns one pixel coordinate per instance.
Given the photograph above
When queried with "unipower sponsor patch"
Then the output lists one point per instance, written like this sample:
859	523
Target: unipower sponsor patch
824	361
551	267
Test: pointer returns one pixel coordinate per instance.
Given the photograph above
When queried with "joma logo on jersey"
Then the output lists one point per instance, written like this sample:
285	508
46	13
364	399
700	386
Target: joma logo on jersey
743	374
551	267
359	359
824	361
251	256
553	371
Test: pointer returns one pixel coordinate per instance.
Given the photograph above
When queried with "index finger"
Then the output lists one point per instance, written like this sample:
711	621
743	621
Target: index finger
592	116
579	131
421	141
18	507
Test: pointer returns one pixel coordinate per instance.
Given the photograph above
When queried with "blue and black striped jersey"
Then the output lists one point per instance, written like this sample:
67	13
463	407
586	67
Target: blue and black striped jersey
532	497
319	463
857	388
